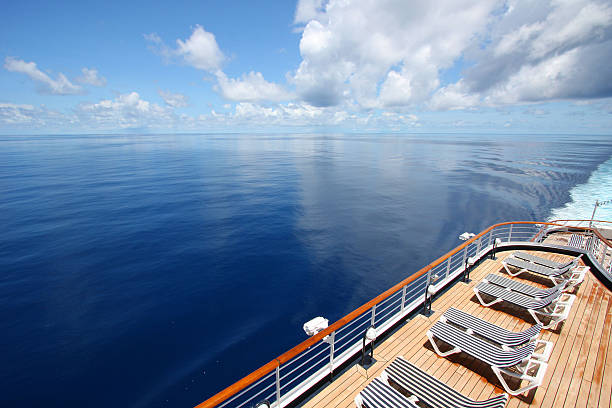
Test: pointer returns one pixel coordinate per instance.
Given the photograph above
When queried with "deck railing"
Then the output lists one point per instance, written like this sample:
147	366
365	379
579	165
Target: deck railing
290	375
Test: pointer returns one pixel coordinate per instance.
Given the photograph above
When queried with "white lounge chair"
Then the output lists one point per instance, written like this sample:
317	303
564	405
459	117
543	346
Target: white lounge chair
525	256
555	306
523	288
432	391
504	338
572	274
516	363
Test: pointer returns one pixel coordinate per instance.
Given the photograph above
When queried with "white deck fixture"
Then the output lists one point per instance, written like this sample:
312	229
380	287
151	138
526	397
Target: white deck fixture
371	334
466	235
315	325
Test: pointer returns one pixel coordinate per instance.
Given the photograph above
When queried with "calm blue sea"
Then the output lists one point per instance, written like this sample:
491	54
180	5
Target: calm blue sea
145	270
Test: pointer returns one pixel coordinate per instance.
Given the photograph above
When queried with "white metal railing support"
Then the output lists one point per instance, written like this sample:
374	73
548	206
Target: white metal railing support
278	390
332	345
373	315
403	298
427	302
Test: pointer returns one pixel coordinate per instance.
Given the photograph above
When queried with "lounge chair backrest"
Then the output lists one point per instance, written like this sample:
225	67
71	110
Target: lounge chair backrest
516	298
523	288
545	261
489	330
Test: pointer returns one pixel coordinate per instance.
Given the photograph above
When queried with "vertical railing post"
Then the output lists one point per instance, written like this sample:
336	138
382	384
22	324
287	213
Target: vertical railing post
465	255
427	303
478	246
332	346
278	391
510	233
448	263
403	298
373	315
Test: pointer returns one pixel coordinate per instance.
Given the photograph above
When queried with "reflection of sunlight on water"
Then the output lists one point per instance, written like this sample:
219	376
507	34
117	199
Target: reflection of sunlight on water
598	187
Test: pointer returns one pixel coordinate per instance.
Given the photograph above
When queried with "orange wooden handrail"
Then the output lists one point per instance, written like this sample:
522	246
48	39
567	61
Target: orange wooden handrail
558	221
288	355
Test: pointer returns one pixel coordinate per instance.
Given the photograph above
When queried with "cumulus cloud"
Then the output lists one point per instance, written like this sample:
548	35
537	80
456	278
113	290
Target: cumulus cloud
125	111
251	87
59	86
383	53
200	50
91	77
25	116
453	97
175	100
301	114
542	51
11	113
307	10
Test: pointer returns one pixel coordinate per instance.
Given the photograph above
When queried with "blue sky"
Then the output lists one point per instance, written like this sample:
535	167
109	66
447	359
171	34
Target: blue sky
311	65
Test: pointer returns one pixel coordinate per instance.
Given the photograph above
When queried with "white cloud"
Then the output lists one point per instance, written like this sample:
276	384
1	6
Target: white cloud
91	77
59	86
24	116
175	100
307	10
304	115
453	97
11	113
382	52
386	53
540	51
251	87
200	50
125	111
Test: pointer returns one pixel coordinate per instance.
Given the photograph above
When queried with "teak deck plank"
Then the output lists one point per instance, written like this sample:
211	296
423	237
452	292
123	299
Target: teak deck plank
596	382
579	370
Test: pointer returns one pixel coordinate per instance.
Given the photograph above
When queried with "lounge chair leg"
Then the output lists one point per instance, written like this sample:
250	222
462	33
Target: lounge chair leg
437	349
544	355
554	320
510	273
537	319
482	302
533	381
358	401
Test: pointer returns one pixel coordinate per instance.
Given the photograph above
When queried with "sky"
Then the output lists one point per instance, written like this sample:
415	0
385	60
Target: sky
307	66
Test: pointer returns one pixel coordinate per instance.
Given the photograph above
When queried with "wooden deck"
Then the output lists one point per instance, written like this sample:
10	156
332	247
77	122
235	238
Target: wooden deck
579	372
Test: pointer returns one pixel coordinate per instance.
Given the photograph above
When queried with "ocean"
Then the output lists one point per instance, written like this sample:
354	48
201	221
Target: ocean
154	270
